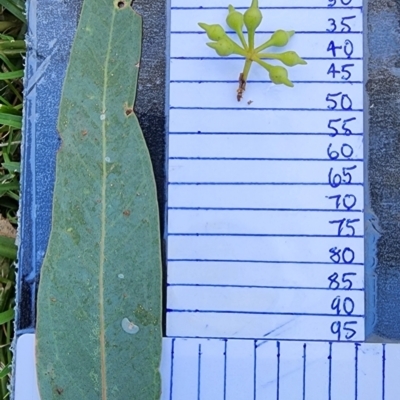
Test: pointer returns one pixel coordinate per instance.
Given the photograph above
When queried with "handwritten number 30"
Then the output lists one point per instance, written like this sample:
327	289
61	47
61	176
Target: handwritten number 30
332	3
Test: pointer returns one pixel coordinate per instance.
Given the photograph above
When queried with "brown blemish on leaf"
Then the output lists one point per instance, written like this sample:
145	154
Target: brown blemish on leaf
127	213
59	390
84	133
128	109
120	4
144	316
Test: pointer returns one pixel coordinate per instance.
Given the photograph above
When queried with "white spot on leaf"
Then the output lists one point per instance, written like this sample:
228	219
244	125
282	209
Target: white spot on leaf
129	327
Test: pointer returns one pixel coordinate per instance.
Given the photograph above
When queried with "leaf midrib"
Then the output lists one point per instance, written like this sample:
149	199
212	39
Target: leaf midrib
103	217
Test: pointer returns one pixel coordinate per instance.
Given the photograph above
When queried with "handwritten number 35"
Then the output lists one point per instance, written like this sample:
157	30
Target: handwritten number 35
345	27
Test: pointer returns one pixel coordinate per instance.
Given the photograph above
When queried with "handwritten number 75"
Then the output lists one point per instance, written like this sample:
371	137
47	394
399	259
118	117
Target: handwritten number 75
345	226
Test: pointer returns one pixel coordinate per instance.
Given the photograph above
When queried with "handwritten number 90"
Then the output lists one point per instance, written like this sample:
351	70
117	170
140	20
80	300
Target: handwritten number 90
347	303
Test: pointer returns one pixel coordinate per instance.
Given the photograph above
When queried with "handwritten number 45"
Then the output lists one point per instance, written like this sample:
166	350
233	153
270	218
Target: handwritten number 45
346	74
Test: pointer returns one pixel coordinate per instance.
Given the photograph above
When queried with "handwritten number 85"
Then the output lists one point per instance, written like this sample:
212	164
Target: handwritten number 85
334	284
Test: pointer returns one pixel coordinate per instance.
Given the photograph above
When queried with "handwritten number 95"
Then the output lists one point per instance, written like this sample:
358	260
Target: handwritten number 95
338	328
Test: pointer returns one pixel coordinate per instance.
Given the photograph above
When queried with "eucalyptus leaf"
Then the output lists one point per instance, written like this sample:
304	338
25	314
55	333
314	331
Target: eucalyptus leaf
99	302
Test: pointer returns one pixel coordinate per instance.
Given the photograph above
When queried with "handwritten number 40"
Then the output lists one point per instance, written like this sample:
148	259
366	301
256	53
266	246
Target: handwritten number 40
348	48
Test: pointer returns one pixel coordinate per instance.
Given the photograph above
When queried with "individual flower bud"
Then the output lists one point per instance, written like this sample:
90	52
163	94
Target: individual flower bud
235	19
279	75
280	38
253	16
214	32
291	58
224	47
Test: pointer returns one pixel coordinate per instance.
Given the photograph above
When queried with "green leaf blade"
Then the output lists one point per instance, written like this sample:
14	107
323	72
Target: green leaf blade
103	264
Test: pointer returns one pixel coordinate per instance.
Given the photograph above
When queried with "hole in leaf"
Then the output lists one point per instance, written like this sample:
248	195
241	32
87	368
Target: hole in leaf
121	4
128	111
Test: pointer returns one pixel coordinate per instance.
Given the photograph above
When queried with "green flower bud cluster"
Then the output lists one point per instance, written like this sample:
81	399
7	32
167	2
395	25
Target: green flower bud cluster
251	19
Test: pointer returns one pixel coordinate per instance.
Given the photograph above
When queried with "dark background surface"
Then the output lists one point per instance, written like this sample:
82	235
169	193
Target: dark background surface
52	25
382	144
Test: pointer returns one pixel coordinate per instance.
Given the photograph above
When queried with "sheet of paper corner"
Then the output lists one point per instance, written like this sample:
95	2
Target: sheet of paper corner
256	297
